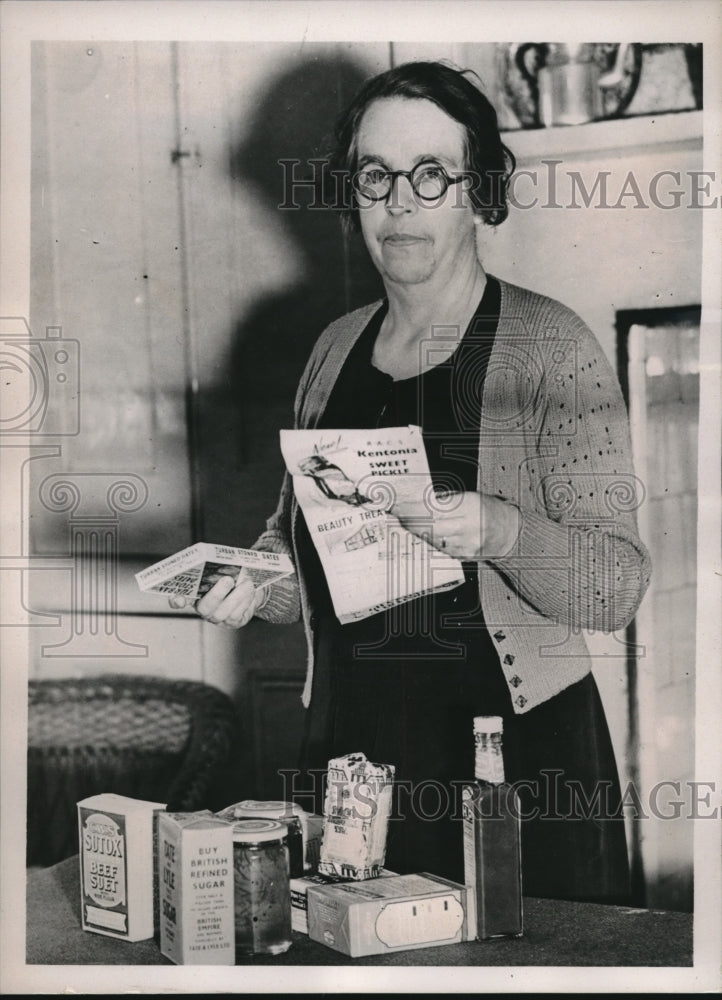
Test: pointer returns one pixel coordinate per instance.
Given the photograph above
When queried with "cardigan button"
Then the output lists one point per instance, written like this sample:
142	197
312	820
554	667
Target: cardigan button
516	680
509	659
521	701
499	636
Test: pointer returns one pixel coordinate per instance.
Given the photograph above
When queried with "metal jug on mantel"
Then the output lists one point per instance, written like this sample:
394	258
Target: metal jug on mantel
569	84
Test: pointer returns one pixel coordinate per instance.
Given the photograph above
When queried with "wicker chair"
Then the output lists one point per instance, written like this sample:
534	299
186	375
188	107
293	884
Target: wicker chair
176	742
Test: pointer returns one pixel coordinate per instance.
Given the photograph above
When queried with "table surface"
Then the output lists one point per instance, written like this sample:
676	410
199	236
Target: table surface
556	933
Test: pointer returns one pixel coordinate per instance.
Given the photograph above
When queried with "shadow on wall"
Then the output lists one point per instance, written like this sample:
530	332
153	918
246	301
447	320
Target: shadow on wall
242	413
269	346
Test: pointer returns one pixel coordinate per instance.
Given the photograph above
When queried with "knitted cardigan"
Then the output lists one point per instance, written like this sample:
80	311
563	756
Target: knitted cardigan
554	440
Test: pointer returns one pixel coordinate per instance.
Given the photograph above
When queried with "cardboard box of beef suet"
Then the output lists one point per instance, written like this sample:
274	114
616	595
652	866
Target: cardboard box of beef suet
118	880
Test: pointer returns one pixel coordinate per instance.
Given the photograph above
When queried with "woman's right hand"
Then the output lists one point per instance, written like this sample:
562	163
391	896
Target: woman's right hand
229	603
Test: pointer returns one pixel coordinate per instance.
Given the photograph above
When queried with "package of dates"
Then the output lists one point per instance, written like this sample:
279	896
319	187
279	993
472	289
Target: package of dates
118	880
356	815
192	572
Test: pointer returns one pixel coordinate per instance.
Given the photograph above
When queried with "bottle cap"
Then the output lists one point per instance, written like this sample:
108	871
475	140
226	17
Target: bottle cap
254	831
488	724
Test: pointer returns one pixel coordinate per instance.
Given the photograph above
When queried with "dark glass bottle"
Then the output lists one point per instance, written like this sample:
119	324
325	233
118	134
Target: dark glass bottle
492	836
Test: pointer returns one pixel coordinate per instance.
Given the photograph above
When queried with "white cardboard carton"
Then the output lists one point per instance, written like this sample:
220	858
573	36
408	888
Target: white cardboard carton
195	861
385	915
299	895
118	886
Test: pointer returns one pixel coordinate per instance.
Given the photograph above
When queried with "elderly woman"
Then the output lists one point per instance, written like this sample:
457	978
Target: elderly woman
528	444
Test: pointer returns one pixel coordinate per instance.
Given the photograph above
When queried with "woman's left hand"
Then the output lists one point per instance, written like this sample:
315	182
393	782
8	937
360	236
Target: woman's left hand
464	525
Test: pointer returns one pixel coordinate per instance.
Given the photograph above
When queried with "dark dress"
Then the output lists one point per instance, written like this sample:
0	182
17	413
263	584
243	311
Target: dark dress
404	686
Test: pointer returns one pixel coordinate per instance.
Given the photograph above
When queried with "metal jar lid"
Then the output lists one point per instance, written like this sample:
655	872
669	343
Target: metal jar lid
274	808
255	831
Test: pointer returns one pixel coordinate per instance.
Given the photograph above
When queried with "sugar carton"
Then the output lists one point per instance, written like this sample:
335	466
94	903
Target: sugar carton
195	861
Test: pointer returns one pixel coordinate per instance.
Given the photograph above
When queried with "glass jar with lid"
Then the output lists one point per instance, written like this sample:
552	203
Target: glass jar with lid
288	813
262	896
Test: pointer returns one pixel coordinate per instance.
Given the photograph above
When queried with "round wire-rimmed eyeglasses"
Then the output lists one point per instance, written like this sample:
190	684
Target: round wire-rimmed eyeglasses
429	181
